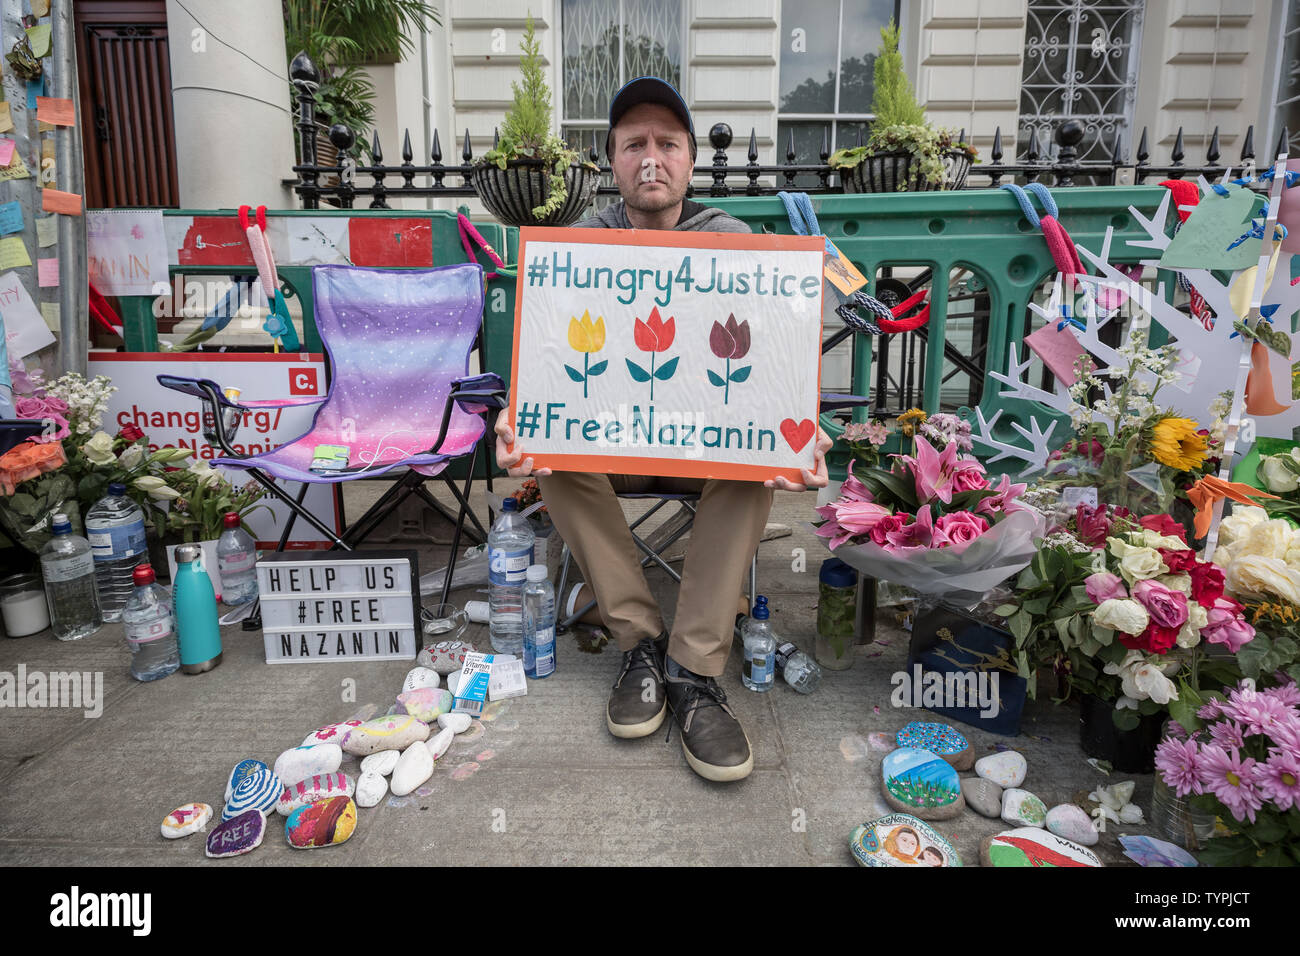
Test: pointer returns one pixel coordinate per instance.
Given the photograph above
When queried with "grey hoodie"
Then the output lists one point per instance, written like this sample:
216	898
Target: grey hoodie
695	217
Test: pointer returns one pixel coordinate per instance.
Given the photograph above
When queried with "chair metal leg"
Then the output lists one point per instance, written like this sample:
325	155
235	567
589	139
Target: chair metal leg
297	508
469	510
390	501
460	520
288	525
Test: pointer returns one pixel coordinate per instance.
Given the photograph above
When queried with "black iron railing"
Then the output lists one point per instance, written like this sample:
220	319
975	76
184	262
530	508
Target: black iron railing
342	184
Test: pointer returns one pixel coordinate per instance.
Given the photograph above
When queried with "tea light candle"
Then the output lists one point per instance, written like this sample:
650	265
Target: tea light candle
24	612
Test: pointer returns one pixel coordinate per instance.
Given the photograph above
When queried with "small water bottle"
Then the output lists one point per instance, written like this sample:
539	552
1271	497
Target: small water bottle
150	628
70	590
195	607
510	552
539	623
115	529
236	562
799	670
760	649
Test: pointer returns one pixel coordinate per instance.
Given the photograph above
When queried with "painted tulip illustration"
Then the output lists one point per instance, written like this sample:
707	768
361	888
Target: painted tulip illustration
654	335
730	341
586	336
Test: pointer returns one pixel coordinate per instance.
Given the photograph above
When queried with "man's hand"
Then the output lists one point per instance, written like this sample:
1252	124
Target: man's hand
511	460
814	479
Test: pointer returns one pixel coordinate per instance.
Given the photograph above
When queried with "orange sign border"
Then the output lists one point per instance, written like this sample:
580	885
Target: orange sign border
641	465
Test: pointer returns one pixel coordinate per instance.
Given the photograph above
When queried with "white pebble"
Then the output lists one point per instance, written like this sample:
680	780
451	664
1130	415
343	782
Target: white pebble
381	763
458	722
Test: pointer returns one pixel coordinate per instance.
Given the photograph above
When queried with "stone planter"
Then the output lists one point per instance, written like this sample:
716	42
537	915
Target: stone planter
511	194
901	172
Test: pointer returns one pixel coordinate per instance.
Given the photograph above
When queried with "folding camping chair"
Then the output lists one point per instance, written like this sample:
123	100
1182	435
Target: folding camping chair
398	344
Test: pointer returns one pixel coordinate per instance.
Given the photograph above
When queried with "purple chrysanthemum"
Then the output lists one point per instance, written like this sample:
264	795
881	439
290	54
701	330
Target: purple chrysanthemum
1288	694
1227	733
1231	778
1278	779
1257	712
1177	762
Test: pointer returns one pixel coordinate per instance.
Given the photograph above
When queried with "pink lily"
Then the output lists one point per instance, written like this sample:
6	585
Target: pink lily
848	519
919	535
935	472
853	489
1004	500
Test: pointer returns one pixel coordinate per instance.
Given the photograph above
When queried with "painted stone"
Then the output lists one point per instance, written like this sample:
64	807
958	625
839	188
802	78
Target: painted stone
439	743
185	820
1022	808
303	762
921	783
901	840
1030	846
941	739
381	763
241	834
445	657
418	677
257	791
425	703
982	796
458	722
311	789
1006	769
332	734
1070	823
394	732
242	769
413	768
326	822
371	788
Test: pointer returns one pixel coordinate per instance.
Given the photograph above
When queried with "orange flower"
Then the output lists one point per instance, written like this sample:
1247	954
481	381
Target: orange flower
29	460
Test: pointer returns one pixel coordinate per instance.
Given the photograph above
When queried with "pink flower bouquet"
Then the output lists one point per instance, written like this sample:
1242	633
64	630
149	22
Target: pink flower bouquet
933	522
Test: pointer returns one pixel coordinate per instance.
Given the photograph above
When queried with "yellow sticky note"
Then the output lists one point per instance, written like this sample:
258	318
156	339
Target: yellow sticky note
6	120
47	230
17	169
50	312
13	253
39	38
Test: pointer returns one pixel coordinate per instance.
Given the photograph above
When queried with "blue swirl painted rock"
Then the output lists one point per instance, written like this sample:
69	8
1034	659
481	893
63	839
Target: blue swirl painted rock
242	769
258	791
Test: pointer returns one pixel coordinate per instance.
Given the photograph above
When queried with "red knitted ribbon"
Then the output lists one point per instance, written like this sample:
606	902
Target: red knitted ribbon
1185	194
909	324
103	313
1062	249
467	233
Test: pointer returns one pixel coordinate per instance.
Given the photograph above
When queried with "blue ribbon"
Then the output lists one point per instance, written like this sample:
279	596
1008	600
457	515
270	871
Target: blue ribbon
803	220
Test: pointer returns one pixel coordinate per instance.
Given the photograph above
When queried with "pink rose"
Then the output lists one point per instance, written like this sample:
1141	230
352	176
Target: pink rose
961	527
920	533
56	405
1103	586
29	406
1167	607
967	478
884	526
1226	625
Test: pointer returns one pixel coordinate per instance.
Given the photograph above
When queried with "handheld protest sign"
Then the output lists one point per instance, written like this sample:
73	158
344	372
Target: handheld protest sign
681	354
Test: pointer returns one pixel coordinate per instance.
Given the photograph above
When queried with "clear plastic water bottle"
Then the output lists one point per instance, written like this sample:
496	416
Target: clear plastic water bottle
236	562
539	623
150	628
799	670
115	528
69	571
759	670
510	552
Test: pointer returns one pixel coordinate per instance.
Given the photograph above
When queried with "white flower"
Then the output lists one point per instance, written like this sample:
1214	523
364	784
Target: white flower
131	456
1242	519
1268	539
1253	575
99	450
204	472
1122	614
1143	679
1277	477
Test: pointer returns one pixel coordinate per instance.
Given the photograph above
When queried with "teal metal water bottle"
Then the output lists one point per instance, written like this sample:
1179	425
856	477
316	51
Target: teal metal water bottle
197	629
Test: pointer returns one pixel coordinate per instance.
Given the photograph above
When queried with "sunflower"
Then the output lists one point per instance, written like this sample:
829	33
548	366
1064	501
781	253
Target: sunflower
1176	442
909	420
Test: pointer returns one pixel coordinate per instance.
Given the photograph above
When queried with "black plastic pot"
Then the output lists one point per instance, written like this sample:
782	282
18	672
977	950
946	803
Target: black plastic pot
1127	751
884	172
512	193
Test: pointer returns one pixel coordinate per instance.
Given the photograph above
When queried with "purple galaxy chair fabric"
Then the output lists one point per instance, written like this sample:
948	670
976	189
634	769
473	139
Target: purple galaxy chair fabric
396	342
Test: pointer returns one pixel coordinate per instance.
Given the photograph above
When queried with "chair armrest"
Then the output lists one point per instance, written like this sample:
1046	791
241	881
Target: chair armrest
214	401
475	394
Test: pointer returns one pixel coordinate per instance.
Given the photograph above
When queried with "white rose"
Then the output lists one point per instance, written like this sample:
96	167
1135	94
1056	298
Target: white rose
1277	477
1146	538
131	457
1122	614
1177	582
1189	635
99	450
1242	519
1135	563
1222	556
1255	576
1269	539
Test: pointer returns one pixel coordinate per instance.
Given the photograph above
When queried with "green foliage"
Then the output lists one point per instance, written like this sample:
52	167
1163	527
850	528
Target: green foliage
894	103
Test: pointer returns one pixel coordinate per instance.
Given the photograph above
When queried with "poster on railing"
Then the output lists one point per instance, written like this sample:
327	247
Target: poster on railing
126	250
666	353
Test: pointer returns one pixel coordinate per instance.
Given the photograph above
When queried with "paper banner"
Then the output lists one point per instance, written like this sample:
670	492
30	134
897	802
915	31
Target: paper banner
11	217
1218	221
47	230
1059	350
666	353
47	272
13	253
25	328
55	200
126	250
58	112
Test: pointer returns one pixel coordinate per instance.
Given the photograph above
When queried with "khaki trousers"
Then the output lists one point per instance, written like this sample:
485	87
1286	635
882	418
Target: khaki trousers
729	523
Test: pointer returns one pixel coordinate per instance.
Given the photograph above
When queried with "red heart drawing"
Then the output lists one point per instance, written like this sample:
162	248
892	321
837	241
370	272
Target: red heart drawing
798	434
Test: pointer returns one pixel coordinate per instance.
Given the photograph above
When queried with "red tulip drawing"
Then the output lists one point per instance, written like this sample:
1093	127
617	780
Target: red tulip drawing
730	341
653	336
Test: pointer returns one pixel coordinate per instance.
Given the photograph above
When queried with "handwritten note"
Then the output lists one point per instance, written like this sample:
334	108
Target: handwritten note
11	217
25	328
13	253
126	250
16	169
50	313
47	272
39	38
57	111
6	119
6	150
56	200
47	230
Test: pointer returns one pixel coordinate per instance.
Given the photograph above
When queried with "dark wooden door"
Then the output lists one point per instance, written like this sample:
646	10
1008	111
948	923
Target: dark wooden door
128	137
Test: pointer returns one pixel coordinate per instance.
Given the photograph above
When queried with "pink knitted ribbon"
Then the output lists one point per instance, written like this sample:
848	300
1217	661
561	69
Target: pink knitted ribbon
1062	249
468	233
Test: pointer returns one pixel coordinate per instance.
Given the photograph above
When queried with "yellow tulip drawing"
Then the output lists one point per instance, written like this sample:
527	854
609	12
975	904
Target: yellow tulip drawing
586	336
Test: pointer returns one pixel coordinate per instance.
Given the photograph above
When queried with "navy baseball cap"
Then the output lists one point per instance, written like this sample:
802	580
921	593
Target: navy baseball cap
649	89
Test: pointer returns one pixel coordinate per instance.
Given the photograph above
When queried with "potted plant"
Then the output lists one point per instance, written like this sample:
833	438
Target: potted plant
903	151
531	177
